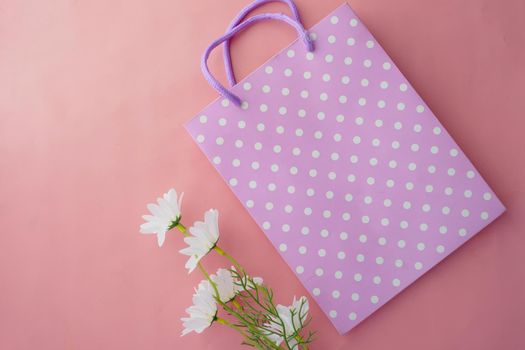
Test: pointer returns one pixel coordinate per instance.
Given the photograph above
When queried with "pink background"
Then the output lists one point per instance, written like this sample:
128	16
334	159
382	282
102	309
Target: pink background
93	95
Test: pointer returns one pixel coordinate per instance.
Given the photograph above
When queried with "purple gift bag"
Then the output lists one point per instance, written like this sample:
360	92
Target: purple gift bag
342	165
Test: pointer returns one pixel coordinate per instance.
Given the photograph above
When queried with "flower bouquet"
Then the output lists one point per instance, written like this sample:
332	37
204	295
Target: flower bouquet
230	297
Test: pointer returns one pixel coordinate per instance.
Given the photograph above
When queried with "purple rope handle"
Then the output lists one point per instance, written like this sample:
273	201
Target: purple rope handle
303	34
240	17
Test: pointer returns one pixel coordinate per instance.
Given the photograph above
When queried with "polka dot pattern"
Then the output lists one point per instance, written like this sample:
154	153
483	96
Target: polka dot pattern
345	168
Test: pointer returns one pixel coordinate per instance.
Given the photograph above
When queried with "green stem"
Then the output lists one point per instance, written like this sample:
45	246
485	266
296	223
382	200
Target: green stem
235	263
238	266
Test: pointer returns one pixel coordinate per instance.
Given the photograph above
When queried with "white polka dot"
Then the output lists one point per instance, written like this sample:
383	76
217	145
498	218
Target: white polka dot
288	72
225	103
453	152
403	87
217	160
380	260
336	294
203	119
487	196
269	70
364	82
222	121
345	79
329	58
341	255
401	243
266	225
249	203
307	75
358	277
418	265
323	96
316	291
334	20
400	106
309	56
367	63
381	241
355	296
376	280
241	124
343	99
290	53
440	249
403	224
200	138
363	238
443	229
350	41
398	263
299	269
307	211
370	44
383	85
352	316
343	236
374	299
338	275
332	39
285	91
396	282
266	89
263	108
420	108
233	181
247	86
421	246
319	271
304	94
321	252
353	22
484	215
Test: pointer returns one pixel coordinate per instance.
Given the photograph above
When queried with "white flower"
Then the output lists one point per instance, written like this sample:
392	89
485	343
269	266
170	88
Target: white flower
203	311
166	215
203	237
228	286
292	317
